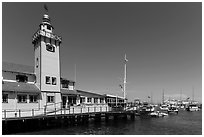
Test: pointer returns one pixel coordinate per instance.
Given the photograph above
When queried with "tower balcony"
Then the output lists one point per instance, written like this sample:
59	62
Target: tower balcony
39	33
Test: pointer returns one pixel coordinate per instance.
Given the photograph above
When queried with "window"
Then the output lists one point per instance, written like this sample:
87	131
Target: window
5	98
89	100
101	100
54	81
22	98
50	99
21	78
37	62
64	83
33	98
50	48
95	100
48	27
82	100
48	81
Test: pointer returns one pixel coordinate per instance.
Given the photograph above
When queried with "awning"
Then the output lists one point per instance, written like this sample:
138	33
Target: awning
20	87
69	92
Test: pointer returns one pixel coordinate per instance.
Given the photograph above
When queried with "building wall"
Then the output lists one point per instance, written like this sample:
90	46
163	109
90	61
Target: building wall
50	66
14	105
55	104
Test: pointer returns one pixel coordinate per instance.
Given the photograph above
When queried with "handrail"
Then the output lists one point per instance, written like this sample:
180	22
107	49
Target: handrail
53	111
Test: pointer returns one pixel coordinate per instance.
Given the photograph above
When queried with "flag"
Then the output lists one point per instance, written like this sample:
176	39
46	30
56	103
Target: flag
120	86
126	58
45	7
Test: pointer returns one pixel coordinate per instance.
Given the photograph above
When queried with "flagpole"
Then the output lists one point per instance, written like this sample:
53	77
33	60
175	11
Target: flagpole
125	78
75	74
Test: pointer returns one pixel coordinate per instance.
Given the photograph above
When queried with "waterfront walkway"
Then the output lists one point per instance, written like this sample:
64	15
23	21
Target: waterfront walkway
16	114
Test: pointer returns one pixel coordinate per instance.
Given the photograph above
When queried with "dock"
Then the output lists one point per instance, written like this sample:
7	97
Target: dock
61	118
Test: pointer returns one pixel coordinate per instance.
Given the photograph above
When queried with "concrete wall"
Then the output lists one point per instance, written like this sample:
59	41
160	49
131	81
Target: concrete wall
50	67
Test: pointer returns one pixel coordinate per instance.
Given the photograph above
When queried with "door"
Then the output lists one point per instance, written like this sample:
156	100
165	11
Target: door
64	101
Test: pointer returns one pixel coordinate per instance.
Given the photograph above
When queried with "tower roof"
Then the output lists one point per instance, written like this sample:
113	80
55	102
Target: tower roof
46	19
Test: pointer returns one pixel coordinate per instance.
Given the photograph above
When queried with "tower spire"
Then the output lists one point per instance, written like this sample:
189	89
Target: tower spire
46	8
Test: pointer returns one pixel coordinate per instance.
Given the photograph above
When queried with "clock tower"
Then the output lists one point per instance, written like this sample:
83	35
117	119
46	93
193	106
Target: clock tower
47	61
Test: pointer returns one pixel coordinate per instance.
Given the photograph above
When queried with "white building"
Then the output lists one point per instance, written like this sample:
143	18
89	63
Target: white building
42	86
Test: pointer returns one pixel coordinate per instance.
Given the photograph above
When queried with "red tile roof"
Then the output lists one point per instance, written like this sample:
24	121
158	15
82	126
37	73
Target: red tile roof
19	87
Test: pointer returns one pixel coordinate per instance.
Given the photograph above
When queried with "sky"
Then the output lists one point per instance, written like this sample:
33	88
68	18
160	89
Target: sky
162	41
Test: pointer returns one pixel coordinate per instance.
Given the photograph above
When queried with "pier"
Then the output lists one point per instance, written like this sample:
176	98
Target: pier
61	118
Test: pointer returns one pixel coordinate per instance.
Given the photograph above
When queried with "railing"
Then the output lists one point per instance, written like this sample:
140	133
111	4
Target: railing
46	111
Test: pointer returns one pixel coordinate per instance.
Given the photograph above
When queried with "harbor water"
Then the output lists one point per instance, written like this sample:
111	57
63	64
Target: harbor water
185	123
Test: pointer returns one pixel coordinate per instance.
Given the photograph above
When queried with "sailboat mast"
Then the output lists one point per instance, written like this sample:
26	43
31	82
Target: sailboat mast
75	74
181	94
193	93
162	96
125	77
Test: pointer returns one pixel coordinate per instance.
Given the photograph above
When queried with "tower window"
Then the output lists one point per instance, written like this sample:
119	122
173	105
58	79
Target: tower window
54	81
37	62
48	80
50	48
48	27
21	78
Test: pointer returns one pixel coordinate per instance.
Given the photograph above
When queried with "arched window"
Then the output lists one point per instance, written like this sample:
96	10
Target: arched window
50	47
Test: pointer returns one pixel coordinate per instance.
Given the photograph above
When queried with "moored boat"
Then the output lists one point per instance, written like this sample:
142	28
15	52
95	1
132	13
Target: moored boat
164	107
158	114
146	108
192	107
172	109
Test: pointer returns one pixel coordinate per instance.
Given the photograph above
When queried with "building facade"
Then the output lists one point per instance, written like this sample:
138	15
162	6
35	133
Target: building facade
42	86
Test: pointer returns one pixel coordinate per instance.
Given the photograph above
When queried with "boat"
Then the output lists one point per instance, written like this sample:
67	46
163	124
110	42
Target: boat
158	114
146	109
172	109
192	107
164	107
